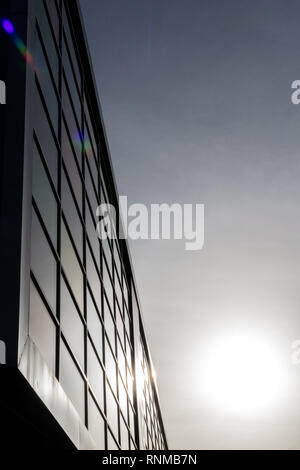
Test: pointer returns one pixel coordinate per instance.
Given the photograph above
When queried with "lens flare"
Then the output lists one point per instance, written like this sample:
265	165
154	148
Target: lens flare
9	28
84	142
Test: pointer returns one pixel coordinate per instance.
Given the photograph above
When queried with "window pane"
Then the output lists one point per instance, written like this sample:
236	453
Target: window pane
72	326
46	84
126	293
127	323
74	130
96	425
123	398
93	278
71	81
132	445
131	420
43	263
118	291
104	196
44	196
91	192
120	327
92	233
121	361
71	214
110	367
108	287
112	412
130	385
124	436
94	326
47	35
109	326
128	354
90	127
51	4
71	47
91	156
111	444
118	265
71	166
108	254
72	381
71	267
45	137
42	330
95	376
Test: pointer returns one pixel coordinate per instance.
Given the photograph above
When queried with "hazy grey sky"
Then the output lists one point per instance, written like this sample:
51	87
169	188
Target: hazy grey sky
196	103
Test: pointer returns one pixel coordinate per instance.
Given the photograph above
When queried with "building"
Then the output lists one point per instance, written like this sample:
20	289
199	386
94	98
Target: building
75	371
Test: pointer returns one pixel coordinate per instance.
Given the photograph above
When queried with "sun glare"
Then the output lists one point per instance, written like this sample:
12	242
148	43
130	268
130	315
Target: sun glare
242	373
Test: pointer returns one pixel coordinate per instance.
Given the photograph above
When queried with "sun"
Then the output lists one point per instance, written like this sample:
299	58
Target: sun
242	373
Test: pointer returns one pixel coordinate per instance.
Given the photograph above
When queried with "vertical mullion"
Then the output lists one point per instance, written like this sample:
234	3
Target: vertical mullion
83	164
102	294
60	205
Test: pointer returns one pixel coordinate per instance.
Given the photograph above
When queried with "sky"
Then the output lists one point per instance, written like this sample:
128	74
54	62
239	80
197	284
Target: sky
196	98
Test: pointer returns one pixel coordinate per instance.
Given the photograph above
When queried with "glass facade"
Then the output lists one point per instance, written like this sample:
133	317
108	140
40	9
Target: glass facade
152	434
81	317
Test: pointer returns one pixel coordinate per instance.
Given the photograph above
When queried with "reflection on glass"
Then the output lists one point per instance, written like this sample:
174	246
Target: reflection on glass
44	196
90	156
72	124
131	420
118	291
130	385
96	425
90	126
123	398
112	411
72	381
92	234
54	18
71	166
93	278
43	267
46	84
127	323
120	326
125	291
47	35
129	354
45	137
95	375
71	214
109	326
71	266
92	195
111	444
110	367
121	361
108	286
108	254
41	328
124	435
71	81
72	326
94	326
70	42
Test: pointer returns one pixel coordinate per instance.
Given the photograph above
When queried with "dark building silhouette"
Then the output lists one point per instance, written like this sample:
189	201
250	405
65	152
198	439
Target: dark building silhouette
75	366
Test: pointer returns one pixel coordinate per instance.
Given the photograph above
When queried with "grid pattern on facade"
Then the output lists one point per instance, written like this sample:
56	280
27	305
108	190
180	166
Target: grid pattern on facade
152	435
80	316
